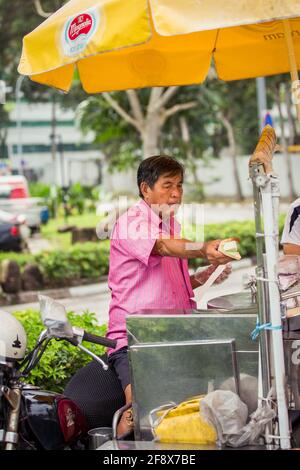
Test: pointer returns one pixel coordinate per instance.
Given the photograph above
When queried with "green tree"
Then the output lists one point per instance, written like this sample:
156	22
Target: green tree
279	95
234	106
143	114
18	18
184	121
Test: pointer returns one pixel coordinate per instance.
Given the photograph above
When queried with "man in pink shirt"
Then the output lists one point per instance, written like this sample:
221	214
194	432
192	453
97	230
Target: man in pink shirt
149	260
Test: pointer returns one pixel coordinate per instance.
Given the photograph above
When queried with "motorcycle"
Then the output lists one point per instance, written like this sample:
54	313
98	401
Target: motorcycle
35	419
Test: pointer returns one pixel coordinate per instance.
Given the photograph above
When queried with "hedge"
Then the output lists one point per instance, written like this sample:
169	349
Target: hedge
61	360
91	260
244	230
88	260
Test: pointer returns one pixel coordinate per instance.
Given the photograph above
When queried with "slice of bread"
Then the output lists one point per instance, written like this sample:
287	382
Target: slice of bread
230	249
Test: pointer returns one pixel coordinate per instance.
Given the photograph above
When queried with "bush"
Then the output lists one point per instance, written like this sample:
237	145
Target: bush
245	230
79	197
81	261
82	198
61	360
91	260
20	258
39	190
88	260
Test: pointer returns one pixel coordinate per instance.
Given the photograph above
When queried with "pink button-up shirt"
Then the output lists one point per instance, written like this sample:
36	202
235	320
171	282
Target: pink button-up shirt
138	279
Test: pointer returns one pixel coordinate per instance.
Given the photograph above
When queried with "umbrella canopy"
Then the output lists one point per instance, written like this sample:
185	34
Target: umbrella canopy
119	44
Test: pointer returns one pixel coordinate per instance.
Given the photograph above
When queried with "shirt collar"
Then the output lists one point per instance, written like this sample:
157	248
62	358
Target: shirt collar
155	219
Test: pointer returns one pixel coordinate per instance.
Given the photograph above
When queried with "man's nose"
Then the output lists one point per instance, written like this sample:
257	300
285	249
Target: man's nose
176	193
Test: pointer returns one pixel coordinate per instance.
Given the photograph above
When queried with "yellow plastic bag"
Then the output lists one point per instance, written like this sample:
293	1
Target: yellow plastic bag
182	423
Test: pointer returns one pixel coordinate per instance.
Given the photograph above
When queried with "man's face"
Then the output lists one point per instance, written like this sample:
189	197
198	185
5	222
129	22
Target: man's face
166	192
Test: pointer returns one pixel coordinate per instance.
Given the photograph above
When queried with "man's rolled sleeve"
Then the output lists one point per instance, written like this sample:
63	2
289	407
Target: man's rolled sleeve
140	242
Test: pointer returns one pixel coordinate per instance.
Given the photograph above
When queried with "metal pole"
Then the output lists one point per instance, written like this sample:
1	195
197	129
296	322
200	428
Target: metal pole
18	115
62	161
267	184
293	64
53	138
269	192
261	297
53	152
64	185
261	101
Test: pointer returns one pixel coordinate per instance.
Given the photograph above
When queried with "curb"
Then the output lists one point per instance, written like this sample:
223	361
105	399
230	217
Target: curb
27	297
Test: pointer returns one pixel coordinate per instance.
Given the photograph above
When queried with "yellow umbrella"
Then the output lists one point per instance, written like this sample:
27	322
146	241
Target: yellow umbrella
119	44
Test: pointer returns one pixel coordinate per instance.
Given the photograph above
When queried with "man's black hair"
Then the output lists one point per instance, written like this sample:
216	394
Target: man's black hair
152	168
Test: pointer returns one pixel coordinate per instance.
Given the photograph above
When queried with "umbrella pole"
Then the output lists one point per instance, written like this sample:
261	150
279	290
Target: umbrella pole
293	64
270	197
267	191
261	291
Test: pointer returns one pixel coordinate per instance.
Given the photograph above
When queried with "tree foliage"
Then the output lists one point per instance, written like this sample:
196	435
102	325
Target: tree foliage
191	133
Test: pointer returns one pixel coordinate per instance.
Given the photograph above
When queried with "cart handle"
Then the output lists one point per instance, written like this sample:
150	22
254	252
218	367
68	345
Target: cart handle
263	153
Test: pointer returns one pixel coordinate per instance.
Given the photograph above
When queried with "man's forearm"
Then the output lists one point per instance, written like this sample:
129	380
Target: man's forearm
194	282
182	248
179	248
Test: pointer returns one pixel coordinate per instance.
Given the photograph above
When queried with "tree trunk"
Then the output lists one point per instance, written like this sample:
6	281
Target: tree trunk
150	135
292	194
233	154
288	103
150	124
186	137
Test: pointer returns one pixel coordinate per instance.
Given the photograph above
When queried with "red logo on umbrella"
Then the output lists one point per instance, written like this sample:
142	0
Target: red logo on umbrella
82	24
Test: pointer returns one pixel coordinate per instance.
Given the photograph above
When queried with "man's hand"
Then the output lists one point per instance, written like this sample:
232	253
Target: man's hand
203	275
224	275
210	251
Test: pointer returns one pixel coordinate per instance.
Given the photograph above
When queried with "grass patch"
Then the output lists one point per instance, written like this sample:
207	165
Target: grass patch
63	240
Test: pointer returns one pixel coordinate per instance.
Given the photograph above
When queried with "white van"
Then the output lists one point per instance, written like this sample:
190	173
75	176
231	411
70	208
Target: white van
15	198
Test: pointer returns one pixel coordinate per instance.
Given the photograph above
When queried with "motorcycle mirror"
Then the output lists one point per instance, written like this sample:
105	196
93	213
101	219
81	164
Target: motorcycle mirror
54	317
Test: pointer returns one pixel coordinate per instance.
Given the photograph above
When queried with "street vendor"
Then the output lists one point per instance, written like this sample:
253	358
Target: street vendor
291	232
149	260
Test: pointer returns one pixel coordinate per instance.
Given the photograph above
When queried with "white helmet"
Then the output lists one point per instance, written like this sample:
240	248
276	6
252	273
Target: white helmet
13	338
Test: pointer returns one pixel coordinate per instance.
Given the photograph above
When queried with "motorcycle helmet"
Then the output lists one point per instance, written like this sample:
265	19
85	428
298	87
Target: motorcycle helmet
13	339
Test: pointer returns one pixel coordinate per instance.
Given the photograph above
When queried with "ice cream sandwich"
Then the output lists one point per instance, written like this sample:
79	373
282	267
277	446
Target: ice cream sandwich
230	249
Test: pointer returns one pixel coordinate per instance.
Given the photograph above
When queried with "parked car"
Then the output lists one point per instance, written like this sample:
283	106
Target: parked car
10	237
14	231
15	198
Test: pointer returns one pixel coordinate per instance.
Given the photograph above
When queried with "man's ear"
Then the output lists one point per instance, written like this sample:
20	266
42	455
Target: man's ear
144	189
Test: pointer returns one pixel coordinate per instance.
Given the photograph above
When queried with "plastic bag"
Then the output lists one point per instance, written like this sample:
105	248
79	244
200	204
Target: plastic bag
248	389
288	269
228	414
255	428
182	423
